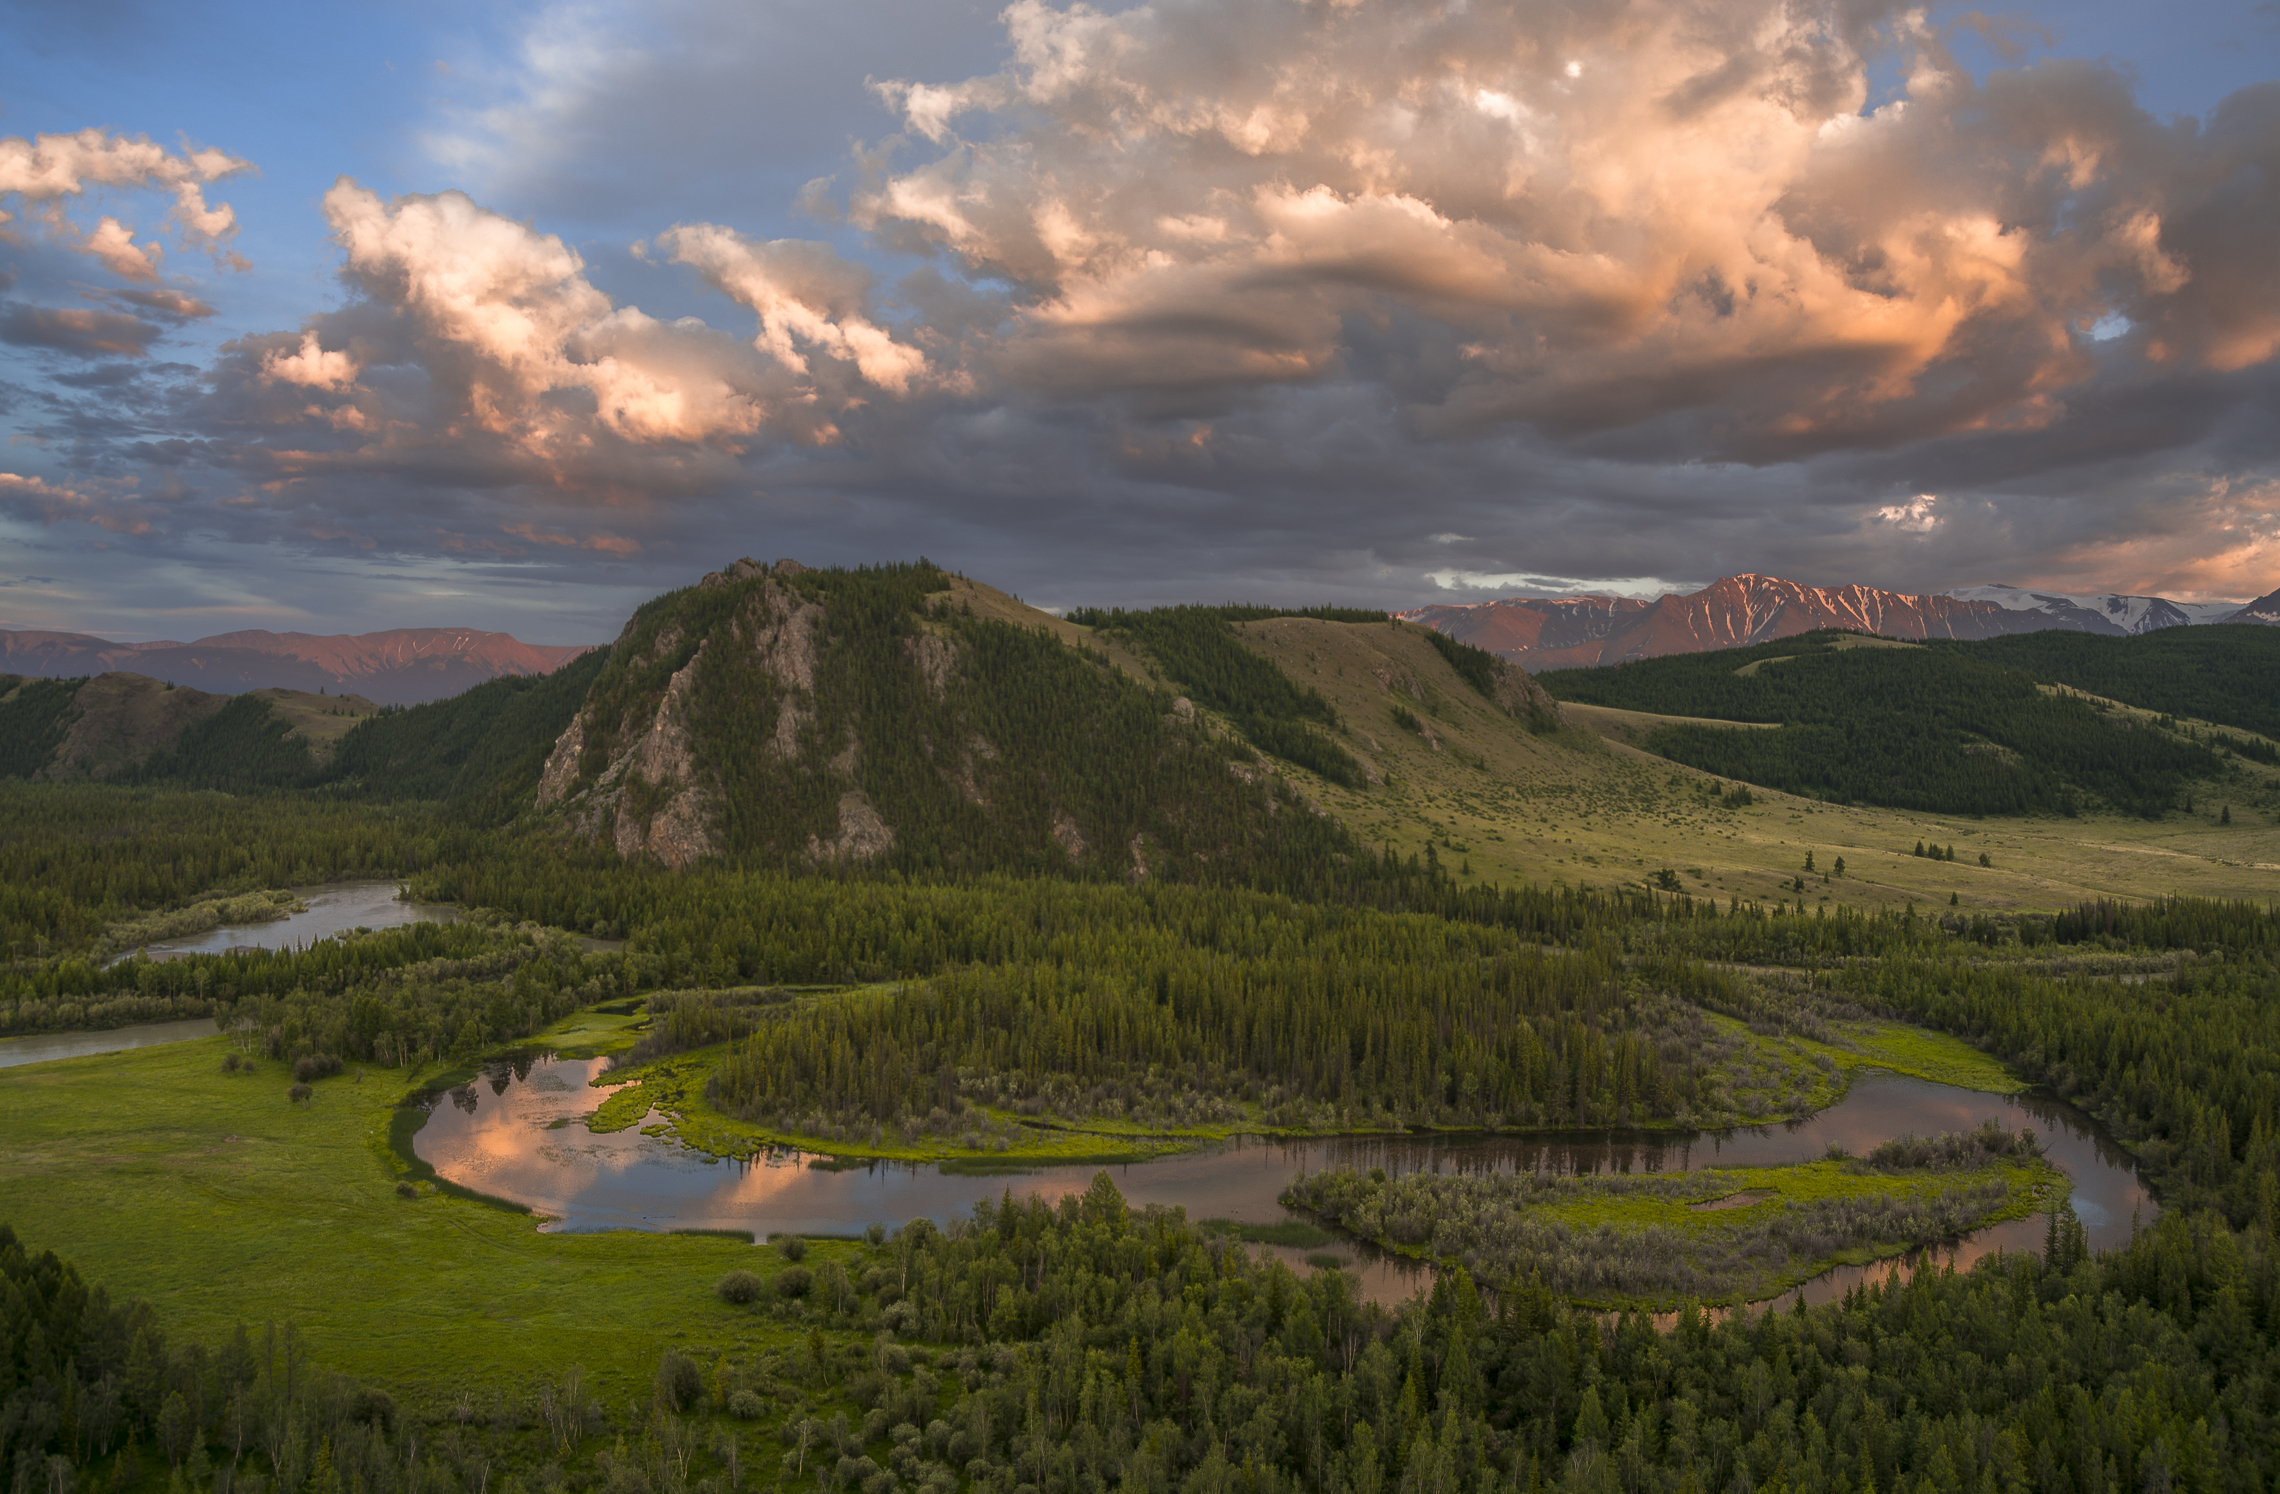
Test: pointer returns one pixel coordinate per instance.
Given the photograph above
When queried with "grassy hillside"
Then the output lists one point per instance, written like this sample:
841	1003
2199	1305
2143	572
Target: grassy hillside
1583	805
1933	730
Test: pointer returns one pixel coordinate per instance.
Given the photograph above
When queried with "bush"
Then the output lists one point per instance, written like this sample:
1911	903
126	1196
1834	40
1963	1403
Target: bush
406	1190
680	1384
791	1248
745	1406
299	1094
315	1066
231	1063
794	1282
738	1288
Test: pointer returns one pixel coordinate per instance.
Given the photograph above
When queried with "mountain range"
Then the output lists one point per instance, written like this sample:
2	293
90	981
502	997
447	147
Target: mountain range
1541	633
401	666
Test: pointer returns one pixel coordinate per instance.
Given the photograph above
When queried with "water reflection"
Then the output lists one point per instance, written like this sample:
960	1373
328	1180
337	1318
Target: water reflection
330	910
42	1047
518	1133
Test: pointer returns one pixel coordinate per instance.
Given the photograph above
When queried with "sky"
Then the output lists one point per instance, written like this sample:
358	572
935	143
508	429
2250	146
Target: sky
344	317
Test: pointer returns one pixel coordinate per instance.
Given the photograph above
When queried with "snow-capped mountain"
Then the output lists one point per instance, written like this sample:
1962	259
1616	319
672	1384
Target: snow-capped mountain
1540	633
2100	614
2264	610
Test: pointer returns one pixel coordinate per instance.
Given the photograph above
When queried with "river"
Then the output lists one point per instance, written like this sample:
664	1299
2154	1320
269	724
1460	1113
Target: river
333	909
518	1133
326	911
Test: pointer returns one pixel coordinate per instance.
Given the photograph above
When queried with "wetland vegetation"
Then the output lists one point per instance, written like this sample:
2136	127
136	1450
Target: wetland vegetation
1659	1241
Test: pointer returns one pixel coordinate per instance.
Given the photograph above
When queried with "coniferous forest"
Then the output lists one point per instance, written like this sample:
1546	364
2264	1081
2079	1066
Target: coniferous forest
1255	967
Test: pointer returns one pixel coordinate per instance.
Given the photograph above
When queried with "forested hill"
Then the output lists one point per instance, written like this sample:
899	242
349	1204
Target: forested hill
901	717
1944	730
2226	674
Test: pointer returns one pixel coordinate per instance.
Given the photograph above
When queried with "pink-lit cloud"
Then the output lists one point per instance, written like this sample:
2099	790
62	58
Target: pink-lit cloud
1592	218
41	175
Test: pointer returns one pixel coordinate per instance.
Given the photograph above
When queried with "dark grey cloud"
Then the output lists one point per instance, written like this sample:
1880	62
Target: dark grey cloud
78	331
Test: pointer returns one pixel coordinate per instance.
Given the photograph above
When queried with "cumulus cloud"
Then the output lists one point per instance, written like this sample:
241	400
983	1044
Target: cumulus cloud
1582	219
43	173
310	365
806	296
476	350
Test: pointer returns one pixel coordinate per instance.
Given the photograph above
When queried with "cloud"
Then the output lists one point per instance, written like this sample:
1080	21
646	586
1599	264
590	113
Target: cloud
50	503
77	331
165	302
475	350
1581	220
806	296
1916	516
310	366
42	173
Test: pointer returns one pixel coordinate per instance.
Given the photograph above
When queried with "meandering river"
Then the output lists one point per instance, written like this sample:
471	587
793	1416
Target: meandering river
518	1133
329	910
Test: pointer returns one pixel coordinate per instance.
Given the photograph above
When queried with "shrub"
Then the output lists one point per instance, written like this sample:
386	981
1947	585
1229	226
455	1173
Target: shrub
680	1384
738	1288
315	1066
794	1282
791	1248
406	1190
231	1063
745	1406
299	1094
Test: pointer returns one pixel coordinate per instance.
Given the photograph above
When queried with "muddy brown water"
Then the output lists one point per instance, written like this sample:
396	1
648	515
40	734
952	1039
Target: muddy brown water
518	1133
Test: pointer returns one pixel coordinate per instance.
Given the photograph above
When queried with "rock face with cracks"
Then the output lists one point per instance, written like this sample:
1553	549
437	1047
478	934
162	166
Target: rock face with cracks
900	714
650	796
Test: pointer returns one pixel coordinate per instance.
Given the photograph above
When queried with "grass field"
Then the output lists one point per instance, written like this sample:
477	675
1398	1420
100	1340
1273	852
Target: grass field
1584	807
219	1200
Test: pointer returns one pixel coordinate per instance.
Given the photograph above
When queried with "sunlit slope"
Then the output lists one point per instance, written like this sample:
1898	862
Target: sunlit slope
1501	803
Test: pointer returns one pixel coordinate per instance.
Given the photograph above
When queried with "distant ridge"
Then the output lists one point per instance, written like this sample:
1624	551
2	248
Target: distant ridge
400	666
2265	610
1579	632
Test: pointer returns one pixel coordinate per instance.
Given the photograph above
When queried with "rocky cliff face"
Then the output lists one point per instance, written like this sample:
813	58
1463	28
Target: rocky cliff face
626	769
837	718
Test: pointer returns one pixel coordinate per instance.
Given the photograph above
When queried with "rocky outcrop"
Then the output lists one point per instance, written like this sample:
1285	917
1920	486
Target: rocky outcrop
652	794
862	834
651	800
1517	694
935	658
1399	682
